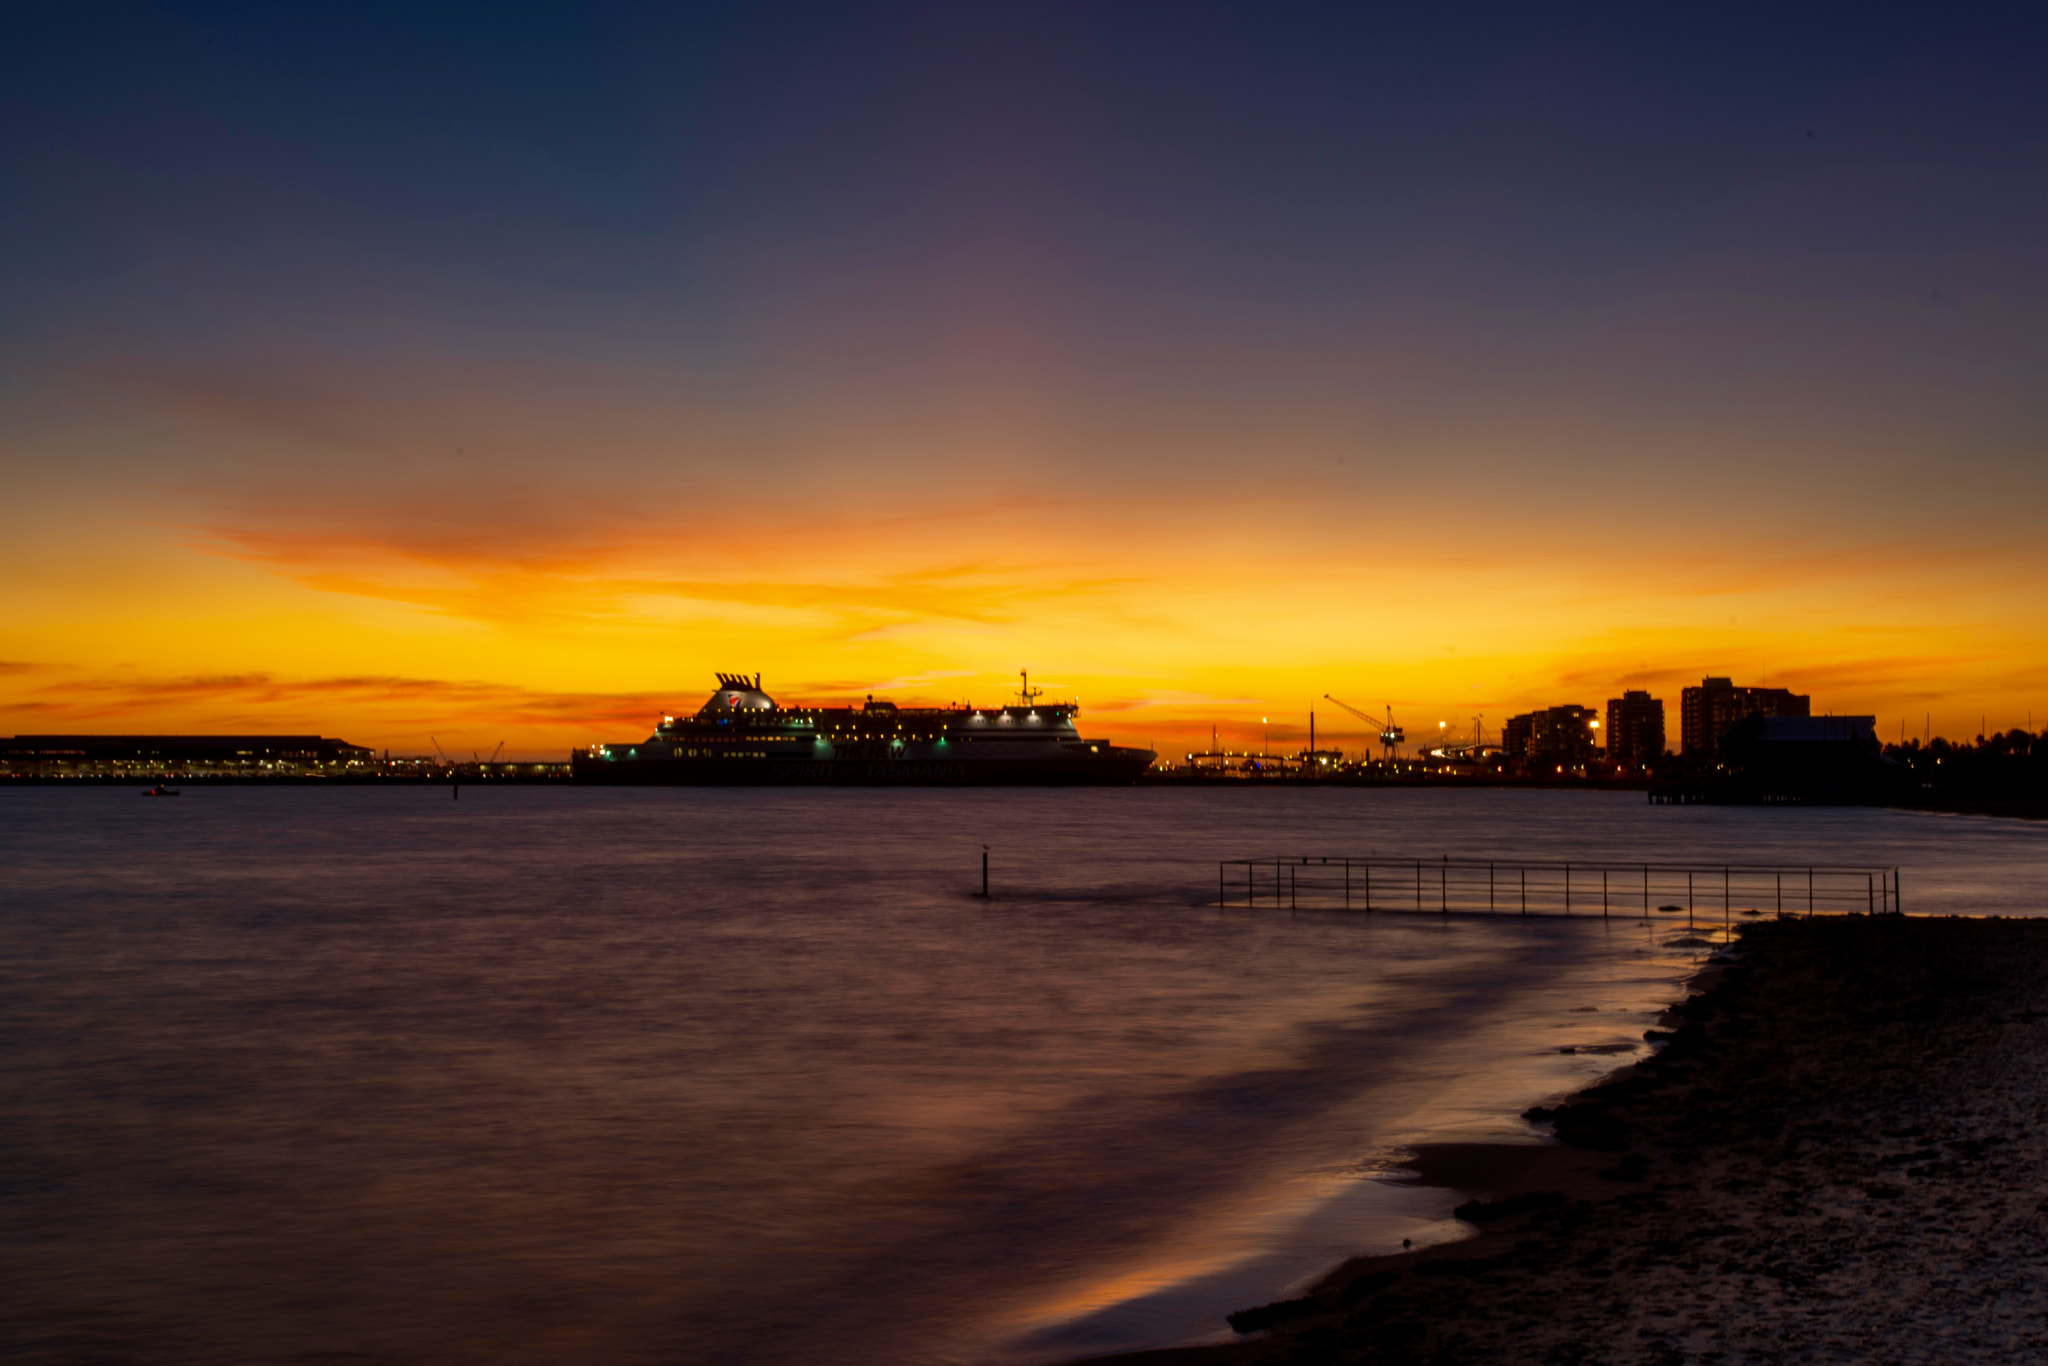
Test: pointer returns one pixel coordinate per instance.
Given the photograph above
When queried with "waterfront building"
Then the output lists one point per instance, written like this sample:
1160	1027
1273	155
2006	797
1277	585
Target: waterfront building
1635	729
1567	735
114	754
1813	759
1717	703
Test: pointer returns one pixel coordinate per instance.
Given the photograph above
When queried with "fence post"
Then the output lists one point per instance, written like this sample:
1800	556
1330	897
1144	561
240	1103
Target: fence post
1882	890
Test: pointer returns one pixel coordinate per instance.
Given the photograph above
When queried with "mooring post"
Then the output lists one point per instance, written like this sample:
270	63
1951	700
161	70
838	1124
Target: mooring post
1897	905
1221	900
1290	886
984	873
1869	896
1781	894
1727	917
1603	893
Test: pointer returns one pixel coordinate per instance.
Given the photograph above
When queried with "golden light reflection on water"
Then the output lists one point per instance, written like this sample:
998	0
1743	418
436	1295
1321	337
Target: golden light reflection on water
643	1073
1348	1209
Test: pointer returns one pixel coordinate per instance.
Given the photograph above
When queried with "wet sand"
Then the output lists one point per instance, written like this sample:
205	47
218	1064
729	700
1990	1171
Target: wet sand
1839	1156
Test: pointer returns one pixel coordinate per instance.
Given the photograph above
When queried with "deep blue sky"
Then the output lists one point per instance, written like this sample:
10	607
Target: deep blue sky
179	168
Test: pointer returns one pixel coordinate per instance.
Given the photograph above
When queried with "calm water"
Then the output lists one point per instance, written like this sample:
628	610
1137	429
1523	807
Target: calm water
694	1076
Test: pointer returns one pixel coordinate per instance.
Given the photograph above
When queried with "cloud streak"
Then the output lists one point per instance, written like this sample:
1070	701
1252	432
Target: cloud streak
525	567
392	702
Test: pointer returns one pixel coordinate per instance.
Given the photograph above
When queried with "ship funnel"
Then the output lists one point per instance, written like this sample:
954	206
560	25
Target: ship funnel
737	692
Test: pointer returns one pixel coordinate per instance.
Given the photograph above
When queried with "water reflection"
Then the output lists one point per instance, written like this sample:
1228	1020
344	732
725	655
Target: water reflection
698	1076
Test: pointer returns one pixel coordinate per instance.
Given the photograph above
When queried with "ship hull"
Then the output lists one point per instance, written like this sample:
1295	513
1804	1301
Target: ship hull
742	738
1110	768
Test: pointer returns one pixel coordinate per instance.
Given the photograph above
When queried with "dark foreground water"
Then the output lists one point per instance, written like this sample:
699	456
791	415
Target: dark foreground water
339	1075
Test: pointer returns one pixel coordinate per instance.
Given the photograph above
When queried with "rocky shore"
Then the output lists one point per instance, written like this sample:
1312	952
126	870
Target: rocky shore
1839	1155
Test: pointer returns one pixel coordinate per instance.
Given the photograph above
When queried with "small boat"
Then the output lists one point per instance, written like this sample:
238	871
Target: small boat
161	791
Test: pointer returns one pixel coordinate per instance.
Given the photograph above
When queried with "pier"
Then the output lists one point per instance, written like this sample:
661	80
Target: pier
1467	886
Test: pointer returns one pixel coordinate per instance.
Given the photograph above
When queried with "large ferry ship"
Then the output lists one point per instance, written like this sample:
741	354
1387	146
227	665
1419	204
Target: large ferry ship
742	736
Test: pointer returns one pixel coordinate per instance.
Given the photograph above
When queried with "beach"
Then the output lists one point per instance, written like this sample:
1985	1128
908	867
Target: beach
1836	1155
562	1075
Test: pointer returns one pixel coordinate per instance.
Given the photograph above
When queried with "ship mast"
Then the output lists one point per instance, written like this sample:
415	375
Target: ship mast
1026	694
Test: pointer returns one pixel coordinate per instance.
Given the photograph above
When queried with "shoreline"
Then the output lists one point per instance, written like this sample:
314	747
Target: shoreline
1835	1156
2015	809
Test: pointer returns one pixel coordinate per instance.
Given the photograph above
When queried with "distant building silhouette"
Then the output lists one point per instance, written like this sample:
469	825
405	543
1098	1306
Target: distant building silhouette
1808	759
1635	729
1716	704
1556	735
246	751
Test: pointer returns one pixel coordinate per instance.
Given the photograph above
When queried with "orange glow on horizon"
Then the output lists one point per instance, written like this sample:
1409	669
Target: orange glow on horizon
554	630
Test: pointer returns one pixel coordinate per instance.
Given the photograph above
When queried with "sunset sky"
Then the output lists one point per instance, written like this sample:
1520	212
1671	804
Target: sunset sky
500	373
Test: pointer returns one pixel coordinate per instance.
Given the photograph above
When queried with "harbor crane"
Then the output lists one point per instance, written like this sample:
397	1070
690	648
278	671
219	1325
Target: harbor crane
1391	735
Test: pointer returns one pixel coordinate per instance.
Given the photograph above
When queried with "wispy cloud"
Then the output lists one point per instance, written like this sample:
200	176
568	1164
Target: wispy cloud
391	699
540	558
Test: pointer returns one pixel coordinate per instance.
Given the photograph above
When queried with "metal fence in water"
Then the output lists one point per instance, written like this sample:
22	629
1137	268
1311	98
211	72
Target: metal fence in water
1446	886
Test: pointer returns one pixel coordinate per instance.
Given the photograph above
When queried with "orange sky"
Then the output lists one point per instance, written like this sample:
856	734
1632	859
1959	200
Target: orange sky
367	595
501	381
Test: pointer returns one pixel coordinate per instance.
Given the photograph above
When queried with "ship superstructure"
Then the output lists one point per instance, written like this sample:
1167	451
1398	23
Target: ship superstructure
742	736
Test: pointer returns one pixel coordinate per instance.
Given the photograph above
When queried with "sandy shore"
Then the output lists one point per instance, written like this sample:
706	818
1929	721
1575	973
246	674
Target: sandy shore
1841	1156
